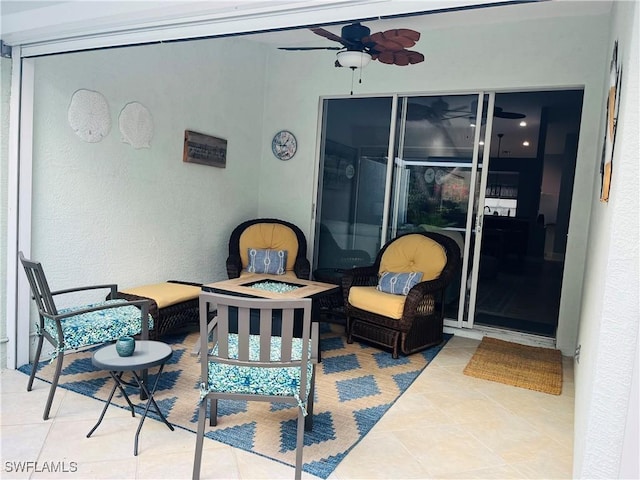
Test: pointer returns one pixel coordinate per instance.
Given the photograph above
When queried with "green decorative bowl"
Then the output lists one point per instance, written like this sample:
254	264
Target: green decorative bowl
125	346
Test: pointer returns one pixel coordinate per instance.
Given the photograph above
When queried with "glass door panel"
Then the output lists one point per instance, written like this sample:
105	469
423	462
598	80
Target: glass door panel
436	176
355	139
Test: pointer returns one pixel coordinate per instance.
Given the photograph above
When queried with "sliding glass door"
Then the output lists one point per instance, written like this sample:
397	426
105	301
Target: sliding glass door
396	165
399	164
436	179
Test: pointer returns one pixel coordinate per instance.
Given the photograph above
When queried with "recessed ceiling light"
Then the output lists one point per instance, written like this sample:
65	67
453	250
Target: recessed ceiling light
525	143
480	142
472	125
523	123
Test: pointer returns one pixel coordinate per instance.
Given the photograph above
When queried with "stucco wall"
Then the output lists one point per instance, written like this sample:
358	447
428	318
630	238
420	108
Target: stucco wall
610	312
527	55
106	212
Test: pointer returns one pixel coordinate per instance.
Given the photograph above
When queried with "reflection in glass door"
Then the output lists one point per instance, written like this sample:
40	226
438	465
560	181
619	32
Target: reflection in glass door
527	202
435	179
431	183
398	164
355	140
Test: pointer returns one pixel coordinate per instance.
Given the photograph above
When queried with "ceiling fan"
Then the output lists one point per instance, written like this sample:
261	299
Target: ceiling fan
499	112
438	111
359	46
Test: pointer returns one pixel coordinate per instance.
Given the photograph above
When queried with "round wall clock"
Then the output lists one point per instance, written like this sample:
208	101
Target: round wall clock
429	175
284	145
350	171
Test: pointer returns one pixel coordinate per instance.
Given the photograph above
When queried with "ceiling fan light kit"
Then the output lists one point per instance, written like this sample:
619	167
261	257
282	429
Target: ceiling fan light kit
353	59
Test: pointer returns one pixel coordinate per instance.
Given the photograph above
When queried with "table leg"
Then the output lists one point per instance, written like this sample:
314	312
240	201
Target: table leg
145	380
117	384
149	395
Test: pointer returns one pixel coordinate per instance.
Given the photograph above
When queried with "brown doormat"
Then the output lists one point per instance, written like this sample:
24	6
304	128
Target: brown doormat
535	368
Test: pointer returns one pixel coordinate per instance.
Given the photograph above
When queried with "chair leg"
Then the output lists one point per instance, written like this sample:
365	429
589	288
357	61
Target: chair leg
202	417
396	347
35	362
299	445
213	412
54	384
308	420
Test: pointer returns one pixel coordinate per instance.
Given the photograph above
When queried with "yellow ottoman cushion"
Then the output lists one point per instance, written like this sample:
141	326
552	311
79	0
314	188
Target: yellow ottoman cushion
165	294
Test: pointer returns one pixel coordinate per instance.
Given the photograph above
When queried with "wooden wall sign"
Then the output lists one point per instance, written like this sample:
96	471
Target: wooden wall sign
204	149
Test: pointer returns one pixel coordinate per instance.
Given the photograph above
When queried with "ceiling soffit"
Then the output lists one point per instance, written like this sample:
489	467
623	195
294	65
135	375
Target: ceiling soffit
73	26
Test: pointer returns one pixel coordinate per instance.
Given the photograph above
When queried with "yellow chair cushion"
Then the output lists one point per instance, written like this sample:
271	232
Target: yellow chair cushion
270	236
165	294
414	253
373	300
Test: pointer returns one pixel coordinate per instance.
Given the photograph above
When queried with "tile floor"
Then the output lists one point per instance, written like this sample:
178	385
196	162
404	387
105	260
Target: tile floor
447	425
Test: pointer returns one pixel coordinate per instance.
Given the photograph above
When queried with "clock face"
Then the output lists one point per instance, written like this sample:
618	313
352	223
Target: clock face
429	175
350	171
284	145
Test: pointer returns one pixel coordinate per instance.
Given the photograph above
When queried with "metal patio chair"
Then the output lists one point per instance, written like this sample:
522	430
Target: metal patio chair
273	366
80	326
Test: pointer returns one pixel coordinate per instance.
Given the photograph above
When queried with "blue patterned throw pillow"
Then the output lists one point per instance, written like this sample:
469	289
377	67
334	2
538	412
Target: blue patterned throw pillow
398	283
273	262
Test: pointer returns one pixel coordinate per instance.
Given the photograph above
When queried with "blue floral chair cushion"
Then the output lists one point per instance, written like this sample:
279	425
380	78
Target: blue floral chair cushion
97	327
256	380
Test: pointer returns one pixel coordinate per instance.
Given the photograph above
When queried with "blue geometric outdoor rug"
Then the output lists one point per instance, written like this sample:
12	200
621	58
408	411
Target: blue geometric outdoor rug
355	385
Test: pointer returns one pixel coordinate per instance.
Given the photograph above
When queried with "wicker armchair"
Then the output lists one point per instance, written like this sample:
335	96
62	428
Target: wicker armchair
416	320
268	233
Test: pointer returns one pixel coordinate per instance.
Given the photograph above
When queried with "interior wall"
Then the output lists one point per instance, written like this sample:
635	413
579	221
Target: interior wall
107	212
525	55
609	323
5	92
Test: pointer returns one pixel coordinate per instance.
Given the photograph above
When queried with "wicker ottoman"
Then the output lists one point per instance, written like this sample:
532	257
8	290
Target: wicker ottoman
173	304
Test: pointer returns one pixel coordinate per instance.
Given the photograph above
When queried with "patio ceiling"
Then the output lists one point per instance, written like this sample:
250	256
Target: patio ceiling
44	27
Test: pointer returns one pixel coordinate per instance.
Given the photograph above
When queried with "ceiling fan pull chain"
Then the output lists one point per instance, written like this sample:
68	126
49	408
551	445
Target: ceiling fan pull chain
352	71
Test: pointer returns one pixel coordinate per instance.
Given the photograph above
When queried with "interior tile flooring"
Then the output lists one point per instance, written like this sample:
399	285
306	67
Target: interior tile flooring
446	425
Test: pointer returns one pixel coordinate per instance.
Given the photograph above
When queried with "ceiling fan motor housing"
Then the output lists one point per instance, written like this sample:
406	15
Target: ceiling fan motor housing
355	32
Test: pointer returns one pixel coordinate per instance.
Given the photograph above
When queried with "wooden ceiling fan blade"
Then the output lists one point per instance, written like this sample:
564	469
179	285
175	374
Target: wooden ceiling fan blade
309	48
387	45
415	57
327	34
410	34
400	58
374	38
386	57
398	36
